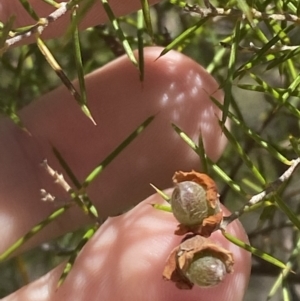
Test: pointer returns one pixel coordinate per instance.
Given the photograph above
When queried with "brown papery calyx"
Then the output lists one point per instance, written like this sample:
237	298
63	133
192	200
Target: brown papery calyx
183	255
212	222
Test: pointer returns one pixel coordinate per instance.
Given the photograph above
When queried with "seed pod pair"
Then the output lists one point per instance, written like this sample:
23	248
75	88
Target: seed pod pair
195	204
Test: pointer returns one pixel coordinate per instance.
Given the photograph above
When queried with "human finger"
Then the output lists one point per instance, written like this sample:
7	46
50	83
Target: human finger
175	90
126	257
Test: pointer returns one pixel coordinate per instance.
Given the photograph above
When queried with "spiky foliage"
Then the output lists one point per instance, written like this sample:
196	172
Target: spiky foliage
251	47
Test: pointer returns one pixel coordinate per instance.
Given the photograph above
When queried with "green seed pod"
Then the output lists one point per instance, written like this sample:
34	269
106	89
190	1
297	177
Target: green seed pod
206	270
190	205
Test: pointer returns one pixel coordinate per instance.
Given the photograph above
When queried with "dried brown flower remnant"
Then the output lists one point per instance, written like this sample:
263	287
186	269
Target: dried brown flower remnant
198	261
195	203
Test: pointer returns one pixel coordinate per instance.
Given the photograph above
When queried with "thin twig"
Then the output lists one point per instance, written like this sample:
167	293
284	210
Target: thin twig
40	25
46	196
216	11
262	195
59	178
80	197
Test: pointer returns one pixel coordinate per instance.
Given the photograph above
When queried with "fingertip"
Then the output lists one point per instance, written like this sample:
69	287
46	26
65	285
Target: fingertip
187	92
129	252
125	259
176	90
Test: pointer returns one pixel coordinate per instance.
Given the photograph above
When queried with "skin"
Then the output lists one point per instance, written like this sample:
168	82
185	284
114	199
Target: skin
126	256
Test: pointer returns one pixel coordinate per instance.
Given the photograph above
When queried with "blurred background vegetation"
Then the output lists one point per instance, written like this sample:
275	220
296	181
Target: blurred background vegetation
256	61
